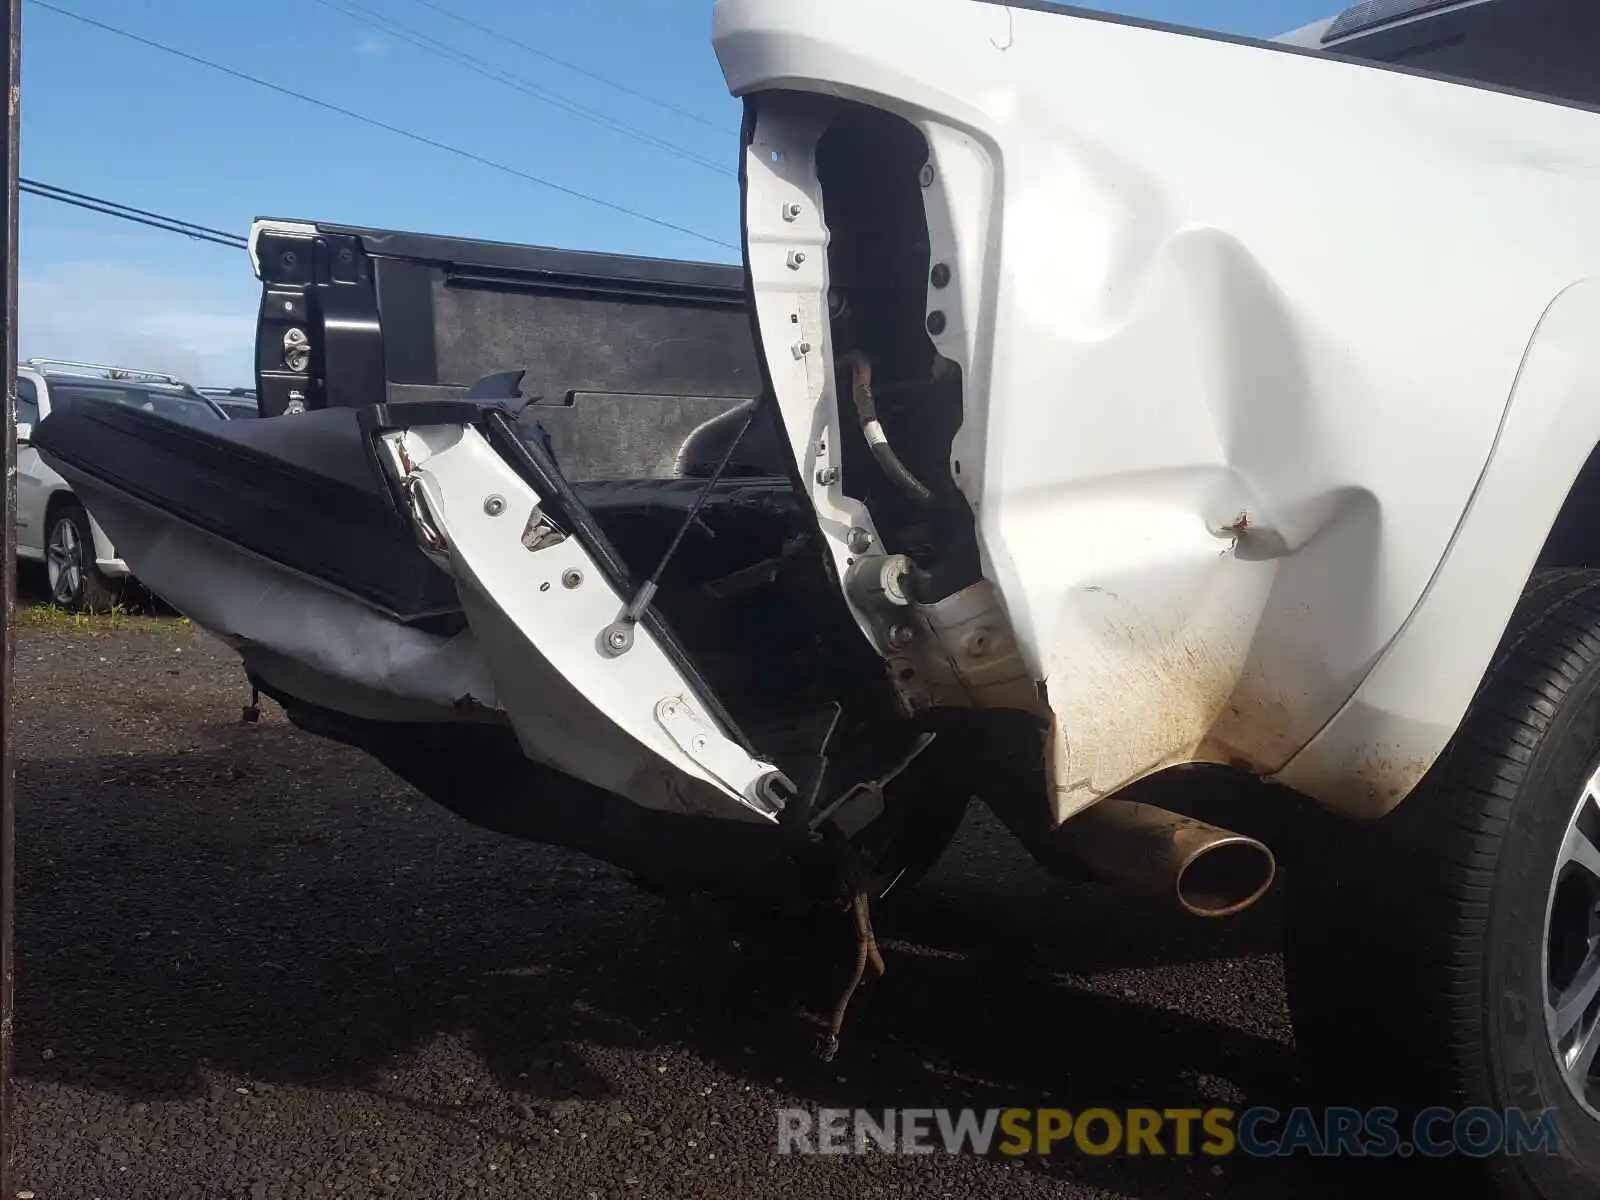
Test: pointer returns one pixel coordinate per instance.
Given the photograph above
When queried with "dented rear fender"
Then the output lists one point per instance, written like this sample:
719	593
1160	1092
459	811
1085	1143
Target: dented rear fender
1223	401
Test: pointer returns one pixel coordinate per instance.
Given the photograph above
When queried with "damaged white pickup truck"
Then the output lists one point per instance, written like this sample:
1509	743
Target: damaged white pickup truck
1133	408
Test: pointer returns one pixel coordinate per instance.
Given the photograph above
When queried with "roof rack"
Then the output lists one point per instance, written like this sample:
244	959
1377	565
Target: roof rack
121	373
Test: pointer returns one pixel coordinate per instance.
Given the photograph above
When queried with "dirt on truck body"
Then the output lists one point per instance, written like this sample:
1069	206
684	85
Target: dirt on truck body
1079	426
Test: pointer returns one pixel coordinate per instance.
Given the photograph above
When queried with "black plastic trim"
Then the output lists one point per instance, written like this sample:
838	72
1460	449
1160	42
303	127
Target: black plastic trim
410	348
590	265
555	283
333	530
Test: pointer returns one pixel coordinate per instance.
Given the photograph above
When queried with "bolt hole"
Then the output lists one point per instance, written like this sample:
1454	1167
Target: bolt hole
906	673
957	466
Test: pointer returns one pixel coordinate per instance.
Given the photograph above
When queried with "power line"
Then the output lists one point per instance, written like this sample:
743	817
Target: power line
375	123
376	20
561	62
112	211
50	191
139	216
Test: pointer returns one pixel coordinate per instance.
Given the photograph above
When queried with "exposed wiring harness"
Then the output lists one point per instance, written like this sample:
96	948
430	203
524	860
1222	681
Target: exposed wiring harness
871	429
866	955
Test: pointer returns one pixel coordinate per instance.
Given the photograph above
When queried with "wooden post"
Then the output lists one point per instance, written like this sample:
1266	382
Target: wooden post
11	15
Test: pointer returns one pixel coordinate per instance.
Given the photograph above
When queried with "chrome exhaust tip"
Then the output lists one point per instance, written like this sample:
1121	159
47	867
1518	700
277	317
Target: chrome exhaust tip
1226	876
1209	872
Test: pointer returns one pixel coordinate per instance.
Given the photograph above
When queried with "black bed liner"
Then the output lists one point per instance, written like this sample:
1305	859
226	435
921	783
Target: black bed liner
623	357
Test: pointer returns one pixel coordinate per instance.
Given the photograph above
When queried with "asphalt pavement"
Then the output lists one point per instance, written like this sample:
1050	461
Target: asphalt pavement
253	964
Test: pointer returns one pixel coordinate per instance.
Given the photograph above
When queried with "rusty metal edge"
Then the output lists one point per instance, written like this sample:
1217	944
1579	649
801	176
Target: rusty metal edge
11	15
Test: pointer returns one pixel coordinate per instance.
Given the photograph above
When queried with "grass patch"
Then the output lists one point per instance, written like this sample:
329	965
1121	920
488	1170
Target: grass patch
60	620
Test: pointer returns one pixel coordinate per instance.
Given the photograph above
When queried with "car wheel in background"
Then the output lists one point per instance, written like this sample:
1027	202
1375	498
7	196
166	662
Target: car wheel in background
76	583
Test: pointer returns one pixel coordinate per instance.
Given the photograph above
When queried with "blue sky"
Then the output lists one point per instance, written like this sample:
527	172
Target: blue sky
109	117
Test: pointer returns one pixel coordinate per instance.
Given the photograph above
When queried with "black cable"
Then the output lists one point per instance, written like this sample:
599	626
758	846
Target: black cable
388	25
107	208
383	125
647	590
66	195
561	62
872	430
114	212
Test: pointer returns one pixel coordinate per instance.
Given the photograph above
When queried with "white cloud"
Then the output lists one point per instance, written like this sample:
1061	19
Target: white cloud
199	329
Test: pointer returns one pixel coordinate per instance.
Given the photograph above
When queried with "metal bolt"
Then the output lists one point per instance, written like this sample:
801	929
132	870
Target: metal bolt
791	210
617	639
571	577
901	635
940	275
294	337
801	349
858	539
288	306
925	176
698	743
796	257
828	475
936	322
288	258
494	505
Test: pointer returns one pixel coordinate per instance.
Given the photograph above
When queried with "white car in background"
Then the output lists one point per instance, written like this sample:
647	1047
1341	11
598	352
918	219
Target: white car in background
53	527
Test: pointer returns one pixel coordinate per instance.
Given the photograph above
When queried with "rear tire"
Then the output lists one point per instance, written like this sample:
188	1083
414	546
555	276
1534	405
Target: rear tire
76	583
1423	953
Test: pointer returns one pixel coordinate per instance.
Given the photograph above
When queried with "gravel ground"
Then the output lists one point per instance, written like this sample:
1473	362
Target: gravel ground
252	964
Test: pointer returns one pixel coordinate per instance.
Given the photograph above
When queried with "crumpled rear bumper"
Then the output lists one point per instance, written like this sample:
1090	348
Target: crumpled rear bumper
601	694
537	635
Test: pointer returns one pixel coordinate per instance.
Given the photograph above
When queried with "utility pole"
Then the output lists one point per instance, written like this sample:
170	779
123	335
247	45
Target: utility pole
12	18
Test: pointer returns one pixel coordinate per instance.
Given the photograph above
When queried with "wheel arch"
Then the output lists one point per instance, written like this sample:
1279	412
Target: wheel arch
59	498
1536	507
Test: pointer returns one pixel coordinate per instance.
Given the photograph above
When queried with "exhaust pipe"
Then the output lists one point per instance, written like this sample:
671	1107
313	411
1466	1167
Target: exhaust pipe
1211	872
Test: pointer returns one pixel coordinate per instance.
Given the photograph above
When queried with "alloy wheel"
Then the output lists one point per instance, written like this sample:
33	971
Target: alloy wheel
1572	952
64	559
